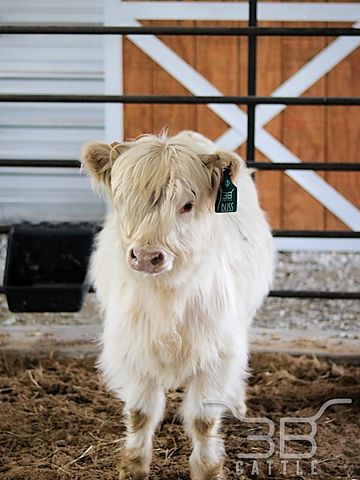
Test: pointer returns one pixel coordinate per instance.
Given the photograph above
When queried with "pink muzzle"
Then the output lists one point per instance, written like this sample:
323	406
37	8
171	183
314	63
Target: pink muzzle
147	260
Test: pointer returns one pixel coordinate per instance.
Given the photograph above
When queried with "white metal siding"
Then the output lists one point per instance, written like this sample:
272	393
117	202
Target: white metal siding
67	64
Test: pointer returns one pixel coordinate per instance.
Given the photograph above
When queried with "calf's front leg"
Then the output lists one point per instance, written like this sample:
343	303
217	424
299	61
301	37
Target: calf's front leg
202	423
223	387
144	406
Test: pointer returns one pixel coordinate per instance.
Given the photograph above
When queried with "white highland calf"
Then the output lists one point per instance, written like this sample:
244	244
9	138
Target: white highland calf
179	286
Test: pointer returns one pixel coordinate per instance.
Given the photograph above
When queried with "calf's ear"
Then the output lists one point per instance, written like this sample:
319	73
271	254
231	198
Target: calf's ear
97	159
218	162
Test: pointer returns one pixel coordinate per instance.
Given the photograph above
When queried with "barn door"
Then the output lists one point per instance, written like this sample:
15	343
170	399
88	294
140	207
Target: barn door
286	67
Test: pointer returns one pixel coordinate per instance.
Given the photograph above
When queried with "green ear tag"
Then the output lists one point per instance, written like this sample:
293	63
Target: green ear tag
226	200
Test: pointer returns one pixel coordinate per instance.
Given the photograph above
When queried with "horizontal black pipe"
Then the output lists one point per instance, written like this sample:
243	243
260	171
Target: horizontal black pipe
45	163
315	234
265	166
315	294
179	99
176	30
300	294
4	229
330	167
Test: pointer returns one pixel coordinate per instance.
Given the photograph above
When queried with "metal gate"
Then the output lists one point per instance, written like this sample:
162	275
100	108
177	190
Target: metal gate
251	100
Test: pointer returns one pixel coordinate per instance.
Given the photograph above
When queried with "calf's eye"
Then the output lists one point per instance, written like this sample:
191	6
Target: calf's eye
187	207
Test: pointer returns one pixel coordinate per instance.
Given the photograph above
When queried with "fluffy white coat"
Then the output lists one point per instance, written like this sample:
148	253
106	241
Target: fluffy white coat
187	327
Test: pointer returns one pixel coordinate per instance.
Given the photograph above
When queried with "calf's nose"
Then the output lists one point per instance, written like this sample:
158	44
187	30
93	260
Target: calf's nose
146	260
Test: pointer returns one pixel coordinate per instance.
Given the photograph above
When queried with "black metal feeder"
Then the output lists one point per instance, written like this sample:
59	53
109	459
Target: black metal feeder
46	267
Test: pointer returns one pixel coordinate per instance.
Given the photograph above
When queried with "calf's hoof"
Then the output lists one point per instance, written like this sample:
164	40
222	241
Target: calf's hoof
216	472
126	475
133	466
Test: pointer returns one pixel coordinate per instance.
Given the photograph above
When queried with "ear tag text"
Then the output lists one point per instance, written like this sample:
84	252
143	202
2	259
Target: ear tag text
226	200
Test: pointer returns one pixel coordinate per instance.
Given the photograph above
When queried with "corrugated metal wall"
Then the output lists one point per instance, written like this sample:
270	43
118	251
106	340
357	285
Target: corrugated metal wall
67	64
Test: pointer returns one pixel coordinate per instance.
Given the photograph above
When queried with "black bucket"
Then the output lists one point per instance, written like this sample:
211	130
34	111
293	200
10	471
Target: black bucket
46	267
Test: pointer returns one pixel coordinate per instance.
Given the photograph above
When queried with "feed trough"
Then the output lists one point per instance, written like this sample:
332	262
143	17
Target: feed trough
46	267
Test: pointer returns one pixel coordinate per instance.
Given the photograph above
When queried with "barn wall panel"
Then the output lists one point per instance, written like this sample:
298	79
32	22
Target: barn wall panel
174	117
343	132
303	132
269	77
138	80
218	60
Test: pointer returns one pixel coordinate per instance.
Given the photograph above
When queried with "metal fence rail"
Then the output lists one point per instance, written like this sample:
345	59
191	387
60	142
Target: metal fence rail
319	166
300	294
251	31
4	229
251	100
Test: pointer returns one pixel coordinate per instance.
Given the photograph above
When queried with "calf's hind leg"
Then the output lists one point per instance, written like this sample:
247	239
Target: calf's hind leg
144	406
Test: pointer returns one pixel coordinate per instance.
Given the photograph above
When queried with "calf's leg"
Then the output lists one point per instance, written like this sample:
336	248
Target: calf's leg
144	405
202	423
223	388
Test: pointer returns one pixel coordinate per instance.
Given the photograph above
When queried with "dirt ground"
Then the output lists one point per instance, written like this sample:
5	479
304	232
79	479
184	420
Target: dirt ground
58	422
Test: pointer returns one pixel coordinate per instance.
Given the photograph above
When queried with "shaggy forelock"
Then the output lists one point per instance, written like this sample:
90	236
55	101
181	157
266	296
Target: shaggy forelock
149	180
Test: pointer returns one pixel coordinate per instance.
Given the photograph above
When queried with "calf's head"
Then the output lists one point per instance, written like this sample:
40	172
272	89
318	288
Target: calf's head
163	194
